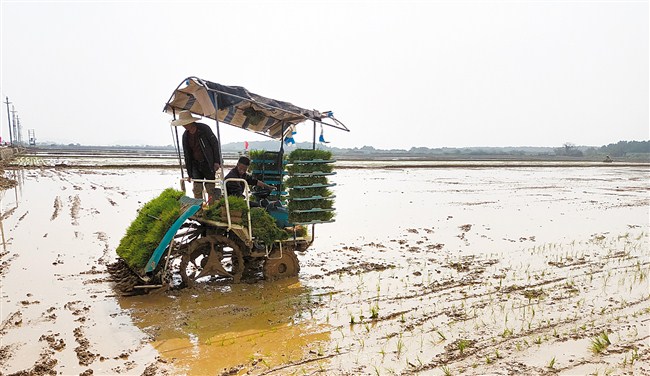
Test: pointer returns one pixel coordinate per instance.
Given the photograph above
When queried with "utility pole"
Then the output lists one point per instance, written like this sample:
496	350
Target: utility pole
8	118
19	131
13	115
32	137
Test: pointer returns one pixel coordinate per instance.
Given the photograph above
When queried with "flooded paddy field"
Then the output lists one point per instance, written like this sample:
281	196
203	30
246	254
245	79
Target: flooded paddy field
431	270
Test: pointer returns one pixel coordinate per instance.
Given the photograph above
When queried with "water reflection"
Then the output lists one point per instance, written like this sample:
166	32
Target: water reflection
7	206
209	328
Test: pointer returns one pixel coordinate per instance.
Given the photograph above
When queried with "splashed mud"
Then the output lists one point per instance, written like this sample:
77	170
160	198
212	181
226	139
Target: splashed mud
515	270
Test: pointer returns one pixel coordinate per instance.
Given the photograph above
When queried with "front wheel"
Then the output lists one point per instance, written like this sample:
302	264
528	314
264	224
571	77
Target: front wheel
281	264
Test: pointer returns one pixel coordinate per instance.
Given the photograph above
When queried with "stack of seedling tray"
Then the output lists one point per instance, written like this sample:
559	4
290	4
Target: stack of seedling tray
147	230
269	167
310	199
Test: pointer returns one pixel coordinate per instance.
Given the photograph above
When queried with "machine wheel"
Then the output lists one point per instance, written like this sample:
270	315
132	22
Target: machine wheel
281	265
212	255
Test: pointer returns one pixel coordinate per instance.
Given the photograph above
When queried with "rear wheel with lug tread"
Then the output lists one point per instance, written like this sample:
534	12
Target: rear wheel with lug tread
212	255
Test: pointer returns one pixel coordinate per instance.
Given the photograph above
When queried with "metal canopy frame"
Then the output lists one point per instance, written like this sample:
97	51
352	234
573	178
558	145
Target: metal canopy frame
207	98
203	100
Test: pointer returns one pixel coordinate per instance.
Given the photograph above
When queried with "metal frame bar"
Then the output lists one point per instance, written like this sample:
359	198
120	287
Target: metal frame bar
248	204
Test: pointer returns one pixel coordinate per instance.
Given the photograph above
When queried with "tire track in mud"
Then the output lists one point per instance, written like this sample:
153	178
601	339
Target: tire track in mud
4	264
20	219
84	355
13	320
8	213
58	204
107	255
74	209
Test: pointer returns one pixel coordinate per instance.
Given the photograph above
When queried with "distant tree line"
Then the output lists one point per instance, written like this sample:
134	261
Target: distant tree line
629	149
569	150
623	148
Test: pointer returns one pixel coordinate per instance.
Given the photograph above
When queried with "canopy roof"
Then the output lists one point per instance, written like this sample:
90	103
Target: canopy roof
238	107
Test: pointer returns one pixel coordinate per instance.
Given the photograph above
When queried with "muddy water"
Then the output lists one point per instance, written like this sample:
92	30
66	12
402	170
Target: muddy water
426	270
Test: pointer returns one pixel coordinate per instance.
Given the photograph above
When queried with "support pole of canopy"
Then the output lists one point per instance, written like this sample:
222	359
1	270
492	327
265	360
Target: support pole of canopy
216	120
178	152
313	226
280	159
178	146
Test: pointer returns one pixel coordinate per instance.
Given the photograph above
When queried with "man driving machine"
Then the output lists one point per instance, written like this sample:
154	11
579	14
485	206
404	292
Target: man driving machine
236	188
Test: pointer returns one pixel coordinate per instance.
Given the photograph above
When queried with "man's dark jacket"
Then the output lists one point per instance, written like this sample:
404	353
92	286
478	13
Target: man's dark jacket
236	188
209	147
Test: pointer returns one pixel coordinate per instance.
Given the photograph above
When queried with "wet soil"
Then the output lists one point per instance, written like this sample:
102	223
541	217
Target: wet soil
425	271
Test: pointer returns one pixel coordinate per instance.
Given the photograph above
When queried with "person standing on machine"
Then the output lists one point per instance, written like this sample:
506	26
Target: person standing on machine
202	154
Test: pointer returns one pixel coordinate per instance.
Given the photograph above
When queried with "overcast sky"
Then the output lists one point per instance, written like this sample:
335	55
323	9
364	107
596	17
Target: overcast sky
397	73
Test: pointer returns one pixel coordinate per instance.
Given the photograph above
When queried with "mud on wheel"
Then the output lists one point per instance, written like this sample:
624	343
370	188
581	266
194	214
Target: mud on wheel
281	264
212	255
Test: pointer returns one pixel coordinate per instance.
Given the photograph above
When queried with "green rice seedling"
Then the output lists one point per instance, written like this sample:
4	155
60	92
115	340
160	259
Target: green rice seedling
442	336
445	370
551	364
462	345
497	354
147	230
599	343
374	312
605	337
400	346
